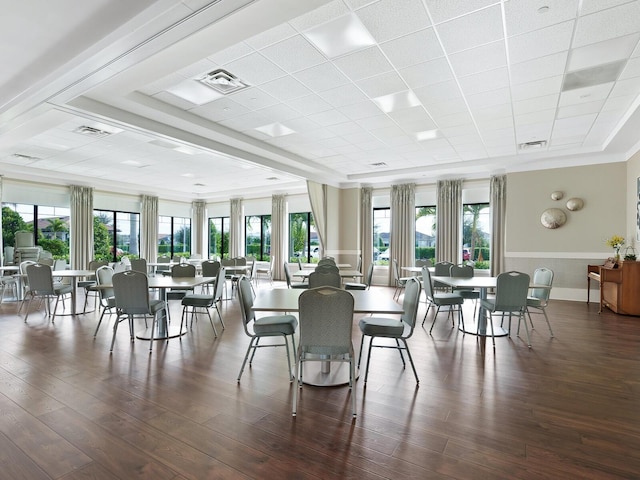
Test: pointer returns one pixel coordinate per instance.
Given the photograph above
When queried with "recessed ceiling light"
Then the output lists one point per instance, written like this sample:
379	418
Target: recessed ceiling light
275	130
343	35
427	135
397	101
195	92
589	77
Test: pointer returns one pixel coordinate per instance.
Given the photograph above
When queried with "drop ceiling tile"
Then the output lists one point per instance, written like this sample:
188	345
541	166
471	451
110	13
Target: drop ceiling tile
197	69
463	118
607	24
322	77
345	128
358	138
271	36
255	69
580	109
309	104
592	6
320	15
343	96
485	81
438	92
443	11
301	125
162	84
478	28
379	121
488	99
449	107
328	117
586	94
246	122
231	54
364	63
402	52
540	43
501	151
360	110
538	88
285	88
535	104
293	54
427	73
254	98
540	117
621	104
622	88
380	85
600	53
539	68
523	17
632	69
221	109
458	130
410	115
388	132
386	21
279	112
174	100
492	112
579	125
479	59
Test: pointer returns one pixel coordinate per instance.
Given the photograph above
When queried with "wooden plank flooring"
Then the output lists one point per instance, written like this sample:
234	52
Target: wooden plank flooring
567	408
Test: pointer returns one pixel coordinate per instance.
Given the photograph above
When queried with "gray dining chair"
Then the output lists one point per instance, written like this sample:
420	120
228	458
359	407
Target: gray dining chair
181	270
361	286
436	300
192	303
89	282
210	268
131	292
326	323
441	269
104	276
290	284
258	328
538	299
399	330
139	265
322	278
41	285
511	298
465	271
400	282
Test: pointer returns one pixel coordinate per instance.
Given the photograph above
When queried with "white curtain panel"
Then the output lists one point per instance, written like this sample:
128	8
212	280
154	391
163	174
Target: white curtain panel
278	234
498	209
318	199
235	228
403	226
149	228
366	227
449	221
81	226
4	260
199	228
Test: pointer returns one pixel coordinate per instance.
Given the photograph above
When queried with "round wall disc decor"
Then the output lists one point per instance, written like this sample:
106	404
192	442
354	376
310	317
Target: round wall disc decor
553	218
575	204
557	195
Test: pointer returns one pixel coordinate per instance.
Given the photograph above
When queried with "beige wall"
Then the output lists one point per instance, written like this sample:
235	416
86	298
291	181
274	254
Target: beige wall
633	198
581	241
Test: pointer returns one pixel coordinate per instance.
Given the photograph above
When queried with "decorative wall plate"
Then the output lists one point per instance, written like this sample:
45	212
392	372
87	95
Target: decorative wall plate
553	218
575	204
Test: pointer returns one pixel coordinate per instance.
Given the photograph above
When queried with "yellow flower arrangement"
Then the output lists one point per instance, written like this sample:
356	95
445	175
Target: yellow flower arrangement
616	242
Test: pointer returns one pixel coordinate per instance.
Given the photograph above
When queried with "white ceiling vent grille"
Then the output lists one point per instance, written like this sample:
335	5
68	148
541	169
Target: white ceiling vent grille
223	81
92	131
26	158
537	145
378	164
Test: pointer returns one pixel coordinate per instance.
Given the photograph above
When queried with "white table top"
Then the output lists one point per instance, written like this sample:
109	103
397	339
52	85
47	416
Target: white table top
343	273
475	282
286	300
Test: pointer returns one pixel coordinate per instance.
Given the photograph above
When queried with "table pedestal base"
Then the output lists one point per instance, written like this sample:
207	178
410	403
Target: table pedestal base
161	334
326	374
484	330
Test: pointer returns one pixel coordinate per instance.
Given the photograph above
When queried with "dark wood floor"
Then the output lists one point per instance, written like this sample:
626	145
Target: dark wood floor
567	408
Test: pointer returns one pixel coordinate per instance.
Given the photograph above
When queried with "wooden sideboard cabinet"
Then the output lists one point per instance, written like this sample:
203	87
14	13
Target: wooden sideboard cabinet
619	287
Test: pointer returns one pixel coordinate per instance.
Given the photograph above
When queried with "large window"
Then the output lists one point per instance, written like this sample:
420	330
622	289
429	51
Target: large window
50	226
174	236
426	233
476	236
115	235
258	237
303	238
381	235
219	237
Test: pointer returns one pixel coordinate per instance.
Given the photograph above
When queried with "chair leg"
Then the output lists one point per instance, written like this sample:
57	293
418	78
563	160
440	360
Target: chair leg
404	365
246	356
547	319
115	330
435	317
493	334
294	407
521	317
286	345
366	369
415	373
360	354
352	378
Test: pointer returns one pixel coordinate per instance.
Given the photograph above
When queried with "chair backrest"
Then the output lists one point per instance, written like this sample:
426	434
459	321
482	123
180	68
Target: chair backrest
245	294
359	264
326	320
210	268
542	276
139	265
442	269
40	279
424	263
95	264
104	276
369	277
119	267
461	271
396	269
228	262
287	275
46	261
511	291
326	268
410	302
23	270
299	263
131	291
183	270
427	284
163	259
327	261
240	261
324	278
220	283
60	264
23	238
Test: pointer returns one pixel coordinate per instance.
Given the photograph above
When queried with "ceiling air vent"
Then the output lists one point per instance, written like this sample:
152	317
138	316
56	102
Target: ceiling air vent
91	131
378	164
26	158
222	81
536	145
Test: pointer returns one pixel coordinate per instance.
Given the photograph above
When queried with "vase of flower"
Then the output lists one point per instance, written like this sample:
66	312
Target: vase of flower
616	242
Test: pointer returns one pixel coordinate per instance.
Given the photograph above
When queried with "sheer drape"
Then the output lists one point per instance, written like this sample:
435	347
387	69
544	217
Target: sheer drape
235	228
318	199
498	208
81	226
149	228
199	228
366	227
403	226
449	221
4	260
278	234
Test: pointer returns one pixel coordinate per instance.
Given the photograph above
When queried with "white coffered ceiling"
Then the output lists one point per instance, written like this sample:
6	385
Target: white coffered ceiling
345	92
